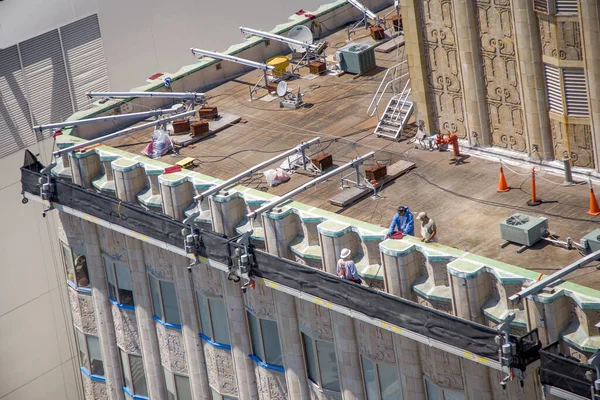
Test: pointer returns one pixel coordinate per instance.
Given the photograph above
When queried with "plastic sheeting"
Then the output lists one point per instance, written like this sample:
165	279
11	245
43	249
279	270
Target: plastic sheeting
463	334
565	372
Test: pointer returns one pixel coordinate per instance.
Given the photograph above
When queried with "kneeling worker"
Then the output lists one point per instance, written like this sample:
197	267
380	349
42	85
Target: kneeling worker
346	269
428	228
403	221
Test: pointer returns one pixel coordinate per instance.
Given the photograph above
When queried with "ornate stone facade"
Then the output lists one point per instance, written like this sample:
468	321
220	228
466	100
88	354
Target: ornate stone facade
501	73
271	385
260	301
158	262
126	330
443	67
172	349
578	147
219	366
560	39
93	390
83	311
375	343
441	368
314	320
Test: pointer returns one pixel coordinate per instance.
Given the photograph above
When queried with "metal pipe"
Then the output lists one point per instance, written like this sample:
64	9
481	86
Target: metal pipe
268	35
113	118
539	286
269	206
168	95
227	57
123	132
364	9
258	167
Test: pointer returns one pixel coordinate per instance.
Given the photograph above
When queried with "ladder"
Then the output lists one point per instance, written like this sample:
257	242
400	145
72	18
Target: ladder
396	114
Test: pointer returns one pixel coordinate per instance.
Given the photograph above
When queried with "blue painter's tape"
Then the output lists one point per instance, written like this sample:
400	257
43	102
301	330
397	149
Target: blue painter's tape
122	306
265	365
166	324
79	289
92	376
214	344
133	396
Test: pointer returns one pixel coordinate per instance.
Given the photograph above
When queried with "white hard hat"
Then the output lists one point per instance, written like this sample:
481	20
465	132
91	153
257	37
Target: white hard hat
421	215
345	253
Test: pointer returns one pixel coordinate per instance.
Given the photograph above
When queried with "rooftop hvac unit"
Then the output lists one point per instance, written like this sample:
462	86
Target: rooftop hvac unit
591	241
523	229
356	58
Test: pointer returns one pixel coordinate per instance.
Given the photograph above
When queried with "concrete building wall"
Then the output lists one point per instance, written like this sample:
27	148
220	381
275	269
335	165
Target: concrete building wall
478	70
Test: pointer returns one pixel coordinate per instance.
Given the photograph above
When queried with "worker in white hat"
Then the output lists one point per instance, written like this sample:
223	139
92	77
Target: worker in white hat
346	269
428	228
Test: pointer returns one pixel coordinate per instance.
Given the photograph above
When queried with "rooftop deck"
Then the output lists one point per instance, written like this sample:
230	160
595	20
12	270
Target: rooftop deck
461	198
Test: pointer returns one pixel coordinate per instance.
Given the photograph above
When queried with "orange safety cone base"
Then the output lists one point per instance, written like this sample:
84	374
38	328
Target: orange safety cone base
594	209
502	185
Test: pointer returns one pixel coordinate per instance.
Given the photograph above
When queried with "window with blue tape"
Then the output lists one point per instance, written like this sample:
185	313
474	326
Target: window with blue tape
265	341
164	301
213	319
119	282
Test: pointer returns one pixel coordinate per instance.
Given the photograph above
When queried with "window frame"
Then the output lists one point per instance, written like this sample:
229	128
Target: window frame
163	317
171	377
263	349
215	395
315	351
87	367
113	267
206	312
71	269
442	390
128	377
376	377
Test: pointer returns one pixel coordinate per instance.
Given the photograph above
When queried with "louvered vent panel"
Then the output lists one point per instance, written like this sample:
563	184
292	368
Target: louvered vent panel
575	92
553	89
566	7
540	5
46	79
15	124
86	62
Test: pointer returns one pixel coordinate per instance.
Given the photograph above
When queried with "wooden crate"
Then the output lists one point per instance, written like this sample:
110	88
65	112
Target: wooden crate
272	87
317	67
199	128
323	161
181	126
397	23
377	33
207	112
375	172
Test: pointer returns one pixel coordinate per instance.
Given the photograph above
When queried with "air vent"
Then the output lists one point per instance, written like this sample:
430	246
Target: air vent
566	7
553	88
540	6
575	92
523	229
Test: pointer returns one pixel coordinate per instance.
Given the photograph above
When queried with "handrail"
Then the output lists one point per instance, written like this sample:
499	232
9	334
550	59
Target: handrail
369	112
383	92
405	97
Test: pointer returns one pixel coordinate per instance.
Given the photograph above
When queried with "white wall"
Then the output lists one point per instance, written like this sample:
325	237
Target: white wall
149	36
23	19
38	359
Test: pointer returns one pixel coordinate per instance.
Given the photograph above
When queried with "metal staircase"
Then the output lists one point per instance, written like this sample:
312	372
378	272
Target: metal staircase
396	114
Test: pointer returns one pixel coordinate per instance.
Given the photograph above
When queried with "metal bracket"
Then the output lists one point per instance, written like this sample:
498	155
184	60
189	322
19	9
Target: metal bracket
242	262
46	186
191	238
358	175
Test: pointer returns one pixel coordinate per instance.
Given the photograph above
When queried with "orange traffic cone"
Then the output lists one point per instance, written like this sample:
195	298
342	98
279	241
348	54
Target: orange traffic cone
502	185
594	209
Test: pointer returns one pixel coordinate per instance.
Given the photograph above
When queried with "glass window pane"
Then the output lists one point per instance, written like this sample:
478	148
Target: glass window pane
311	361
83	352
81	270
68	257
271	342
204	317
169	298
170	384
255	336
433	391
389	382
124	284
184	392
328	366
137	375
218	315
452	395
214	395
229	398
126	372
156	306
95	356
110	277
369	376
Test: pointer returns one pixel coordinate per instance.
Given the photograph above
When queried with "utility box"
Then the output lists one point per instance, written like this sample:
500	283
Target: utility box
523	229
591	241
356	58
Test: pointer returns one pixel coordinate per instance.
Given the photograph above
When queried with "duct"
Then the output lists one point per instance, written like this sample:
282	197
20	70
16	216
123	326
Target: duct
455	335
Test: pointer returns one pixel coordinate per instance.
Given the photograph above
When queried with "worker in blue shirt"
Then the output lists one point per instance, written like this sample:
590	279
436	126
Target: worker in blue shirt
346	269
403	221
